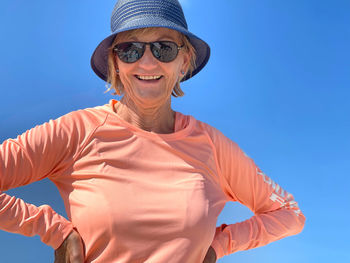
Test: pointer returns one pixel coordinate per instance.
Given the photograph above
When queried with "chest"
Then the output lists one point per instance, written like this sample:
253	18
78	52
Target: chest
136	189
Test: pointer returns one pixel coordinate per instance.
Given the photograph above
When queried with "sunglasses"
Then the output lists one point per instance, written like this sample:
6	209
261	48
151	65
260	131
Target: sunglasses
130	52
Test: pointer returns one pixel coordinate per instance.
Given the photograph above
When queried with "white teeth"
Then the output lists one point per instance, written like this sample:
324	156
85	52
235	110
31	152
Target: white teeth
148	77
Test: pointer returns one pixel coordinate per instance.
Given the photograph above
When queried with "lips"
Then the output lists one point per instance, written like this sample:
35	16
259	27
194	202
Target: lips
148	77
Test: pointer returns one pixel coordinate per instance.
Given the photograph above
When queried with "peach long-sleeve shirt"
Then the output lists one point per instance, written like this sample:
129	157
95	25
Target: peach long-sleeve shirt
136	196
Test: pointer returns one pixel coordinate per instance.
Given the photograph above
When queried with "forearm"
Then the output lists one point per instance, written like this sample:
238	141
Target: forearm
16	216
257	231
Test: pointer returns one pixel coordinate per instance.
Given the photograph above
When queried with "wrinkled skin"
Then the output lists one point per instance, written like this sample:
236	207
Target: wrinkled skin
72	251
147	104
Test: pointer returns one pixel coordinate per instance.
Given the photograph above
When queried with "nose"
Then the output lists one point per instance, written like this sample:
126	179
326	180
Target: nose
148	60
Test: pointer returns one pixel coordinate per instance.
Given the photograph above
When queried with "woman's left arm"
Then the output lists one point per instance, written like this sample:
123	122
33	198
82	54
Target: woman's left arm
277	215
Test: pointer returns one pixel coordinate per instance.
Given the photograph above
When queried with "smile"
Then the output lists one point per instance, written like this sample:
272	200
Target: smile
155	77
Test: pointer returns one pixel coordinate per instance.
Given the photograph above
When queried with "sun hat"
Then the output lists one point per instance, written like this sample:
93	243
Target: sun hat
134	14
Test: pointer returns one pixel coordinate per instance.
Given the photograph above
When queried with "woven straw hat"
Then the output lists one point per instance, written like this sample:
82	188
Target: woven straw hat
134	14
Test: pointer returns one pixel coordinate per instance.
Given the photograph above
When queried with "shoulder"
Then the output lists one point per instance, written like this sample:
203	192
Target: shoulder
82	121
223	146
91	116
215	135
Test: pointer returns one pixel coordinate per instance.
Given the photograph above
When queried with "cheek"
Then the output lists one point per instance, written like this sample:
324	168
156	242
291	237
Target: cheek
173	72
124	72
126	81
171	81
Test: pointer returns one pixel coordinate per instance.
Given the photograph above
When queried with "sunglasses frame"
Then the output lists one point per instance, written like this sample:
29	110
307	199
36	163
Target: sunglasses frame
144	44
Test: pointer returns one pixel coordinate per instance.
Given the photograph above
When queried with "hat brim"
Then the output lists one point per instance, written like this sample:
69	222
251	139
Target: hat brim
99	59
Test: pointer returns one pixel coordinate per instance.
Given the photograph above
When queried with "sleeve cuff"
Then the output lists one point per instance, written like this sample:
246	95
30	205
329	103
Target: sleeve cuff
63	232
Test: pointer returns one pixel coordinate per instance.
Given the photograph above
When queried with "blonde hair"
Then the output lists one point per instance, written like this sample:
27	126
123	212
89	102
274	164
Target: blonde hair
113	78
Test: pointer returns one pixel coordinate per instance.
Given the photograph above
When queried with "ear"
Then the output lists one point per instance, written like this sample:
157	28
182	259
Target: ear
116	64
186	64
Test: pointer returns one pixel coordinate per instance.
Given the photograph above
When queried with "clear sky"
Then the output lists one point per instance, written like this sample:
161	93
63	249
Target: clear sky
277	84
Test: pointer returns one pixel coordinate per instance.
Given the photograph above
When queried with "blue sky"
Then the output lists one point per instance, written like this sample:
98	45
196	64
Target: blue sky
277	84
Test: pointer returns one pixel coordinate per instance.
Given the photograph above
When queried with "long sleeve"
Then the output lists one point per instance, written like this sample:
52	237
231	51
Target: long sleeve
41	152
276	214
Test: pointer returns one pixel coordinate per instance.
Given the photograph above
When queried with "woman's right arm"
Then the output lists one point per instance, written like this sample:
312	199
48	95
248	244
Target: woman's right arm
41	152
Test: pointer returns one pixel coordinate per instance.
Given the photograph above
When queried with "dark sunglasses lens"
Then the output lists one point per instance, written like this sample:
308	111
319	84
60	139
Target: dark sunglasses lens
130	52
164	51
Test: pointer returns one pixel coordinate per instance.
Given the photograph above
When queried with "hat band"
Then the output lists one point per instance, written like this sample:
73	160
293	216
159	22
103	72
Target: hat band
147	8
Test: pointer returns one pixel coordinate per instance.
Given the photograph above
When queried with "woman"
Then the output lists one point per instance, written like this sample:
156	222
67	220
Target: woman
140	182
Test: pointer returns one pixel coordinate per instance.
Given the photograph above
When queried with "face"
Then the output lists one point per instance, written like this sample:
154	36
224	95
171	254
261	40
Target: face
149	82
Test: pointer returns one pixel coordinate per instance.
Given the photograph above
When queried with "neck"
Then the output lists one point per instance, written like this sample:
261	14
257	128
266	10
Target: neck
157	119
